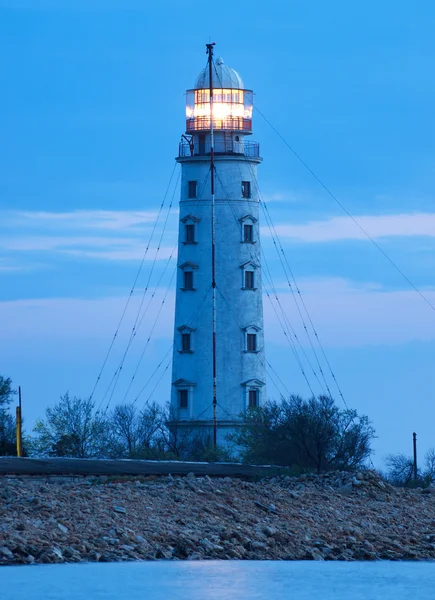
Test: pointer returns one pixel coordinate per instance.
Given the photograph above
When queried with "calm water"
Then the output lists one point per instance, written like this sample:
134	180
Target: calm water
212	580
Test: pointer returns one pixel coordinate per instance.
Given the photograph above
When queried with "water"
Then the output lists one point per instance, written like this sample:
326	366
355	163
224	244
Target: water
220	580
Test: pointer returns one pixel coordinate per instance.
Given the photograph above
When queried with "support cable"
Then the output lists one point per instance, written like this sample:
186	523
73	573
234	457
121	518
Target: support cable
286	320
139	362
284	314
275	239
133	286
344	209
233	314
190	322
117	373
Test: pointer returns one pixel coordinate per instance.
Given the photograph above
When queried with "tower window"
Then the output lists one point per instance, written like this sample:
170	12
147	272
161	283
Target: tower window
183	398
189	230
188	280
253	398
185	342
249	280
248	233
246	189
192	189
251	342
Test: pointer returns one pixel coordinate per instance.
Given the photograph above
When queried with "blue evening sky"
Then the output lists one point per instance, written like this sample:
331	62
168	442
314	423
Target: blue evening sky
91	112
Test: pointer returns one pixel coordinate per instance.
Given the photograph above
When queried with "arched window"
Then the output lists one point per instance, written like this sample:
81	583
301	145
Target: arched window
248	229
188	281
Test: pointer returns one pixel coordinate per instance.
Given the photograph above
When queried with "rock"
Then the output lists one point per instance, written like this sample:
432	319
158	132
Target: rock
120	509
191	476
94	556
70	552
209	546
240	521
270	531
345	490
259	546
52	555
6	553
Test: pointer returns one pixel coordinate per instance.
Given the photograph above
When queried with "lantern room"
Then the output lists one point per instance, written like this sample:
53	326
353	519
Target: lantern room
232	104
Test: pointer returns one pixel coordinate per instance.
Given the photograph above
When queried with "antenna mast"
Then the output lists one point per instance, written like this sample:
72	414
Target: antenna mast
213	236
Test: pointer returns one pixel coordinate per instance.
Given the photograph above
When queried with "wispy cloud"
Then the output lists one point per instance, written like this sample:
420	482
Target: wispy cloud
84	219
95	234
343	228
348	313
345	314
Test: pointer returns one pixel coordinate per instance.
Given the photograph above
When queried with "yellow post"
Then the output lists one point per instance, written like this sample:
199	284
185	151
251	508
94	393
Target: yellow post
19	428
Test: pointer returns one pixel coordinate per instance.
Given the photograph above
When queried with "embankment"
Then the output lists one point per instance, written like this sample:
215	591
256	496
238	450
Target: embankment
332	517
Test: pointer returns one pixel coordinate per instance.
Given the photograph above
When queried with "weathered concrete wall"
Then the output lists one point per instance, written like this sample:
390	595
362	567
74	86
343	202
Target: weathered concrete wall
237	308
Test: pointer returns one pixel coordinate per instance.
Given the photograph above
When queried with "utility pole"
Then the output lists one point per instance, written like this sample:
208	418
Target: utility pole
414	437
19	425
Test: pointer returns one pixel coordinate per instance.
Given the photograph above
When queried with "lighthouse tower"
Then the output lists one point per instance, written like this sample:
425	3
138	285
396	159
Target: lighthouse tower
218	366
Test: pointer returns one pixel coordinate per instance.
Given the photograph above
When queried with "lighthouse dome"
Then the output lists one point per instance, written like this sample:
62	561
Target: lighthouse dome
223	77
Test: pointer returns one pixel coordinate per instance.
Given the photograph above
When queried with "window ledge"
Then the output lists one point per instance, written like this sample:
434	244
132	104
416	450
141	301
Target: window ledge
245	289
251	351
188	289
248	242
185	351
189	243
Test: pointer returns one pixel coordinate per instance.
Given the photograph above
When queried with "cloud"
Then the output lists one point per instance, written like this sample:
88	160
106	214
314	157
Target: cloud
94	234
343	228
83	219
350	314
345	314
63	320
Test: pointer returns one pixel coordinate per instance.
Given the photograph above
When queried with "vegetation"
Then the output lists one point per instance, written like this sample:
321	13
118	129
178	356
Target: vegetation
74	428
313	435
7	421
302	434
400	470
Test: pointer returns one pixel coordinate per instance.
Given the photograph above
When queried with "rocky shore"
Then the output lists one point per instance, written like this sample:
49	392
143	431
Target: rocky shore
336	516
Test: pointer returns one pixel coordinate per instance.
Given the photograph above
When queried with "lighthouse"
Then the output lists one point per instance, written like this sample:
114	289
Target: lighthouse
218	367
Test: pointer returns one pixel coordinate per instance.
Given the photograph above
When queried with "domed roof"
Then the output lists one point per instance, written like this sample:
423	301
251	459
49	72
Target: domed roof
223	77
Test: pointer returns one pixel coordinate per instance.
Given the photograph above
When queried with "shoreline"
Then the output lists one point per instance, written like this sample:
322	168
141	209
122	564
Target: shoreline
335	516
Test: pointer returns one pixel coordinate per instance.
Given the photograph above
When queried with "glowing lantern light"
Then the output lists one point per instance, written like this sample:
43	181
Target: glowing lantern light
232	105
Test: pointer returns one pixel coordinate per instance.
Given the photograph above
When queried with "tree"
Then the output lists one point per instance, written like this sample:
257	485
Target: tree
7	421
179	441
400	469
134	433
73	428
429	466
311	434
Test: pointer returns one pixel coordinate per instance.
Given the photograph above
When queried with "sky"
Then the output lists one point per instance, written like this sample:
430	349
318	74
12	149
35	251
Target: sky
91	113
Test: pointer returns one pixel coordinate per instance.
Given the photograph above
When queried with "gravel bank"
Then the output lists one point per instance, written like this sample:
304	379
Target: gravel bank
328	517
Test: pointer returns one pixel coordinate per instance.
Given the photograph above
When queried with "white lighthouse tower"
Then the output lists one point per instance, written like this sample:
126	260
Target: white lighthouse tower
218	358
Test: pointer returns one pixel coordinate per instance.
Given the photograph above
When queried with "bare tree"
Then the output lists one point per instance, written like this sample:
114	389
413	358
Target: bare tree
178	439
400	469
134	433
